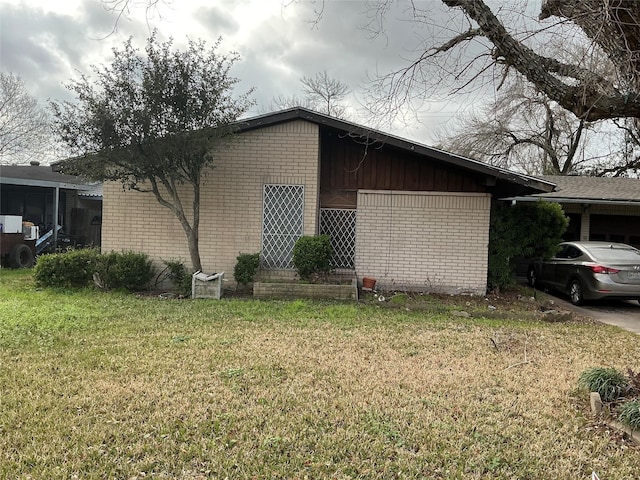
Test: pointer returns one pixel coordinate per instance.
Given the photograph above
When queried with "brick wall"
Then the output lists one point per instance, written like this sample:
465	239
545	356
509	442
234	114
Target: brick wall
231	200
427	241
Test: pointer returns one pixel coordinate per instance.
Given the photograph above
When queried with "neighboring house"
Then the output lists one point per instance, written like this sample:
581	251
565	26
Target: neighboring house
39	194
409	215
599	208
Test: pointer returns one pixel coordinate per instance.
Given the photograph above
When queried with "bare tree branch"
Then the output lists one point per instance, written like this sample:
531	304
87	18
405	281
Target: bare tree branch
24	124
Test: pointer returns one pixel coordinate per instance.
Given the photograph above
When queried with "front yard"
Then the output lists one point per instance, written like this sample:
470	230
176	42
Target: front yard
107	385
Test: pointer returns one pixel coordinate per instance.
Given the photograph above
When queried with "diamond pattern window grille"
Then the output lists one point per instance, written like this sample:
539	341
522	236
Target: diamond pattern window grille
340	225
282	224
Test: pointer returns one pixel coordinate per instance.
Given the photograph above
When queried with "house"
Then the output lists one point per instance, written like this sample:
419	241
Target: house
39	195
599	208
409	215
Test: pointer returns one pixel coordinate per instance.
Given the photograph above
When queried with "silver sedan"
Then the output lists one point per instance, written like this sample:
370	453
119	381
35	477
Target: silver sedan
590	271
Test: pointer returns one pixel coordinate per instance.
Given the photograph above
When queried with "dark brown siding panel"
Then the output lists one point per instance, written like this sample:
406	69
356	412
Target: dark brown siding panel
412	174
426	177
348	165
339	199
455	182
440	179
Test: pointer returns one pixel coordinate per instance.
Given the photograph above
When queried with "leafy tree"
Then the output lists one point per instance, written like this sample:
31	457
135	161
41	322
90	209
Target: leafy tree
154	122
24	124
522	230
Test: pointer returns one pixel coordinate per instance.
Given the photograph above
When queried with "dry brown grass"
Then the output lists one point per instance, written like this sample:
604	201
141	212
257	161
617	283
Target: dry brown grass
146	388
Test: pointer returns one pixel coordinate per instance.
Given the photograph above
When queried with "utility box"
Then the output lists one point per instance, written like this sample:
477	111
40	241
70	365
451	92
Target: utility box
11	223
206	286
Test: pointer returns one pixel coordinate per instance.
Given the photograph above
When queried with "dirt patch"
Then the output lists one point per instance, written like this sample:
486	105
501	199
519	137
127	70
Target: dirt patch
517	303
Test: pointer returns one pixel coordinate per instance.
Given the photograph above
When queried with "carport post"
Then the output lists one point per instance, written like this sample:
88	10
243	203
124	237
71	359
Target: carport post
56	206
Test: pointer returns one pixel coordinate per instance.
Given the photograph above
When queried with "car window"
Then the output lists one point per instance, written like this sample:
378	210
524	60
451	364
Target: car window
572	252
606	254
561	251
568	252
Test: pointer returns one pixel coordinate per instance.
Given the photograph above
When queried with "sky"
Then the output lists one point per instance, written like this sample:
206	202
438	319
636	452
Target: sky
49	42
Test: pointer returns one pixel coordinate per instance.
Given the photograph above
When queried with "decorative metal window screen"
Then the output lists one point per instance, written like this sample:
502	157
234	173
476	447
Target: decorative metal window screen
340	225
282	224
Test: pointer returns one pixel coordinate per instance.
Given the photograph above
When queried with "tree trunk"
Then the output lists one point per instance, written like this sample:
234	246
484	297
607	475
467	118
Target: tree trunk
194	250
190	229
194	238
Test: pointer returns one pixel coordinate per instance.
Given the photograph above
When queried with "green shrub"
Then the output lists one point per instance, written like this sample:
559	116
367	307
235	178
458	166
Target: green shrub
524	230
312	255
246	267
630	414
608	382
76	269
179	276
126	271
72	269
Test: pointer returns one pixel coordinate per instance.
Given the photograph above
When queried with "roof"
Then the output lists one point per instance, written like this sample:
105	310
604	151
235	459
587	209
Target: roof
593	190
530	184
41	176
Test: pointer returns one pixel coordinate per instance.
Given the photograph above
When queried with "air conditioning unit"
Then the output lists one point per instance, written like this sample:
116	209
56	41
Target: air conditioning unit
31	232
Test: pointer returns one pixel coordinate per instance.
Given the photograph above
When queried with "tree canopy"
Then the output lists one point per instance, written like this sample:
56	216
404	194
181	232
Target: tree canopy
154	122
321	93
24	124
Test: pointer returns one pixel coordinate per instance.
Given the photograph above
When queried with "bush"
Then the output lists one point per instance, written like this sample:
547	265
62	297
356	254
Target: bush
72	269
179	276
522	230
608	382
246	267
76	269
630	414
312	255
126	271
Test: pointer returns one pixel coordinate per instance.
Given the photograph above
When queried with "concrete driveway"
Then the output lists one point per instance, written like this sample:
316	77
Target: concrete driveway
622	314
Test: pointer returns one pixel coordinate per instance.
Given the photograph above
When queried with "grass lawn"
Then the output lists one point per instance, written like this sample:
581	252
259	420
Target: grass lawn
109	385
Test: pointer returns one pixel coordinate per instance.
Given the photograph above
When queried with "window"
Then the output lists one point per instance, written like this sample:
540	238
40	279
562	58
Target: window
569	252
282	224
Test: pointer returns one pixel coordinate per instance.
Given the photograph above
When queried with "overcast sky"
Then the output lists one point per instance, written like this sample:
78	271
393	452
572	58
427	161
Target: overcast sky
48	42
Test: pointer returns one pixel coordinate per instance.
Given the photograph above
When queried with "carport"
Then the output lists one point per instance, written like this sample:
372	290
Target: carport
599	208
42	196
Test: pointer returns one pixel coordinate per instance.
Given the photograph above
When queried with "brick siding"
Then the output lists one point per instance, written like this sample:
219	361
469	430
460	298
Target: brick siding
231	200
427	241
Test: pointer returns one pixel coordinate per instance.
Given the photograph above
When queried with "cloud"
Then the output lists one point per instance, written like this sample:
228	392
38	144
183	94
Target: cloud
279	42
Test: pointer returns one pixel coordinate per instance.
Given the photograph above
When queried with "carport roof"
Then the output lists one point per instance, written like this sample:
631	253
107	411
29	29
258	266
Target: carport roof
41	176
591	190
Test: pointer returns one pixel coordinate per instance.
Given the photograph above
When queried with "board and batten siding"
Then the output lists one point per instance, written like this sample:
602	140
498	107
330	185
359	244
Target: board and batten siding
430	241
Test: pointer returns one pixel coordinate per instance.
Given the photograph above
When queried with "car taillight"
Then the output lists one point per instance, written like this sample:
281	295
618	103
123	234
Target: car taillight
601	269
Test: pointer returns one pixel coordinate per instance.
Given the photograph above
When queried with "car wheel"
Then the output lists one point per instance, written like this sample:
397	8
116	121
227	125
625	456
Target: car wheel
576	293
532	278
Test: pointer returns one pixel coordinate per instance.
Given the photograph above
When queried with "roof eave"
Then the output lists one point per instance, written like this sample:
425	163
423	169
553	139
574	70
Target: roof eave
573	200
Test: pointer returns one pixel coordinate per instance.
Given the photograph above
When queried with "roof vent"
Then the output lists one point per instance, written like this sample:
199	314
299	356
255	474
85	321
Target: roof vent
34	163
